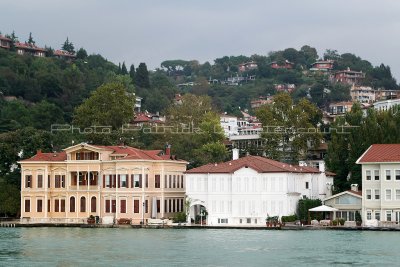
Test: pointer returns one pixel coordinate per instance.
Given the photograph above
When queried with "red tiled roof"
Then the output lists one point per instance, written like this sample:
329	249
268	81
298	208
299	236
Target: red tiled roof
29	46
128	153
141	118
260	164
57	156
381	153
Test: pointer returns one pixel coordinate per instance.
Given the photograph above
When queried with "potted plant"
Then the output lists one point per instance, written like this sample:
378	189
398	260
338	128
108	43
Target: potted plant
335	222
358	219
341	221
91	219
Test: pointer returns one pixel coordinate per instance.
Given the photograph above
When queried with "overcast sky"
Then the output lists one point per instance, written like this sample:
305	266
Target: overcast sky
152	31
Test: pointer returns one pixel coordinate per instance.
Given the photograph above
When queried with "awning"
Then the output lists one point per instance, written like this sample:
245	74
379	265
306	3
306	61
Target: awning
323	208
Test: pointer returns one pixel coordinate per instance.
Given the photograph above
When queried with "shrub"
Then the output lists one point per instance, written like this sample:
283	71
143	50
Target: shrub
180	217
335	222
290	218
341	221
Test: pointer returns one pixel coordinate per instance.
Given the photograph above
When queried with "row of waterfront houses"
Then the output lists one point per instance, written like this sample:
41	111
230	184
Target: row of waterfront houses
124	183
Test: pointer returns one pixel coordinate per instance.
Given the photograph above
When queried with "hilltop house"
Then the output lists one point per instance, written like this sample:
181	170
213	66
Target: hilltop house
30	49
247	66
362	94
322	65
380	167
5	42
349	76
112	182
244	191
285	65
62	54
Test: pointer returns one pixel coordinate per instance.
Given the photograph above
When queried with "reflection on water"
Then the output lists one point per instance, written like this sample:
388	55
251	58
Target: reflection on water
194	247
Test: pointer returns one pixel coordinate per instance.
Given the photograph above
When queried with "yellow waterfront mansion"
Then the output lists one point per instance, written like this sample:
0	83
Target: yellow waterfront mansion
111	182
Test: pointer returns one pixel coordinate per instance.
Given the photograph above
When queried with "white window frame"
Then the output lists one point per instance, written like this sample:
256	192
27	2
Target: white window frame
379	176
370	194
388	212
368	215
386	194
397	194
395	174
377	192
366	175
386	175
377	215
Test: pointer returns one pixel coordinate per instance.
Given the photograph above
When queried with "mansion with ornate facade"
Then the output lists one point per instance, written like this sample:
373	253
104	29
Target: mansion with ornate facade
111	182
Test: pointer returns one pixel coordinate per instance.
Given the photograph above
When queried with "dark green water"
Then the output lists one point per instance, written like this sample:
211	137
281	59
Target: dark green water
195	247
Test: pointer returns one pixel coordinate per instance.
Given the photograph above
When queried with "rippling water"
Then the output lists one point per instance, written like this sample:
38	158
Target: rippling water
195	247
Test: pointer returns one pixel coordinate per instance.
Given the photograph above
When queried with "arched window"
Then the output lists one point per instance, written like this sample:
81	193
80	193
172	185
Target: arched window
72	204
83	204
93	204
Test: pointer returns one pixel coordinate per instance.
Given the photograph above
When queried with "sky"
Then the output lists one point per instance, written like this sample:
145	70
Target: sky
152	31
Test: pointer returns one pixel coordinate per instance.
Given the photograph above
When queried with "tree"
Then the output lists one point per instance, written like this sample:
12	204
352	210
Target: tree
124	71
132	72
30	40
198	136
109	105
289	130
142	76
310	54
81	54
68	46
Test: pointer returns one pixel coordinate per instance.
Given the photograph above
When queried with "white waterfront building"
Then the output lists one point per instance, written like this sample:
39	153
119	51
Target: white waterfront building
247	190
381	185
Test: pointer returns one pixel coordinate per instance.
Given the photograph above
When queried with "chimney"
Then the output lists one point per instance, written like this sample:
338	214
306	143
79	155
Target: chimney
39	151
354	187
235	153
168	149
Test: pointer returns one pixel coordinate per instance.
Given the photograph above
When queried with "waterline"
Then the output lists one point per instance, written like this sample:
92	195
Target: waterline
194	247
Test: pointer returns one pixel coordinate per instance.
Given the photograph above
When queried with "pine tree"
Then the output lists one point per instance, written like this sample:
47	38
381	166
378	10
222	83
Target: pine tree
142	76
124	71
81	54
68	46
132	72
30	40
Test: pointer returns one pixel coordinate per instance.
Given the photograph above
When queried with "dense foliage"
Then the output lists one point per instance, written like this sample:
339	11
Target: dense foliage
36	93
304	205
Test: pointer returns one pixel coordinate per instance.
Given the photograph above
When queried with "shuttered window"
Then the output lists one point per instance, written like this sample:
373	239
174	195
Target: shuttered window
157	181
39	205
62	205
93	205
40	181
123	206
136	206
113	206
72	204
83	204
107	206
56	205
27	205
28	181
